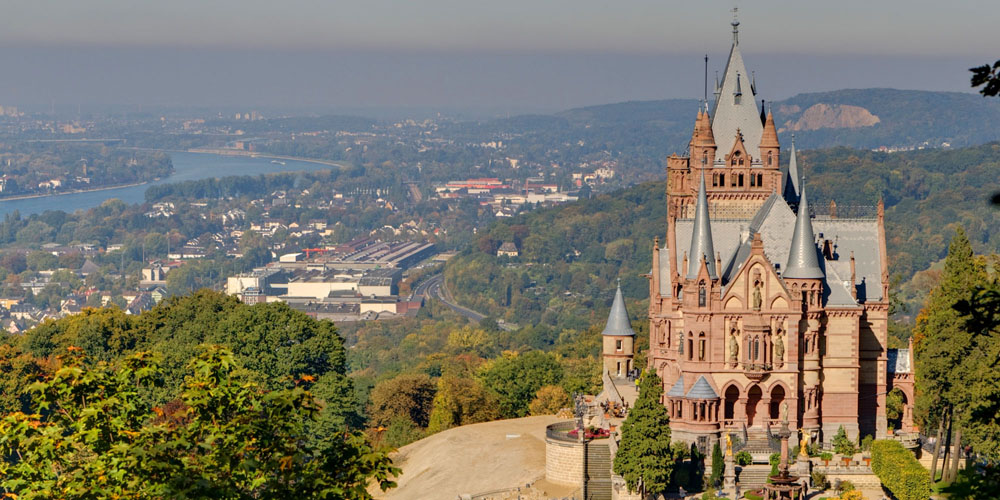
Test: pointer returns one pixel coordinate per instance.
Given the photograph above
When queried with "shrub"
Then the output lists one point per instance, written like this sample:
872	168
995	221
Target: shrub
899	471
826	456
845	486
744	458
709	494
852	495
819	480
842	444
866	443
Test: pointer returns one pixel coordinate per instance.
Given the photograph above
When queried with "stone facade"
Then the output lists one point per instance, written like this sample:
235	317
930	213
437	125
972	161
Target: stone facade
757	305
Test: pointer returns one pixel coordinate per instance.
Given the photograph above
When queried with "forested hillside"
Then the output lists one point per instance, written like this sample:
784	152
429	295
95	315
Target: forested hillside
572	255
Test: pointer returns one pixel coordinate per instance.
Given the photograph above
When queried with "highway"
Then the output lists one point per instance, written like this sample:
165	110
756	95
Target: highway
433	287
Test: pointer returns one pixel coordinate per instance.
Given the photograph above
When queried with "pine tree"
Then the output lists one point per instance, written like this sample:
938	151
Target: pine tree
718	466
940	338
644	458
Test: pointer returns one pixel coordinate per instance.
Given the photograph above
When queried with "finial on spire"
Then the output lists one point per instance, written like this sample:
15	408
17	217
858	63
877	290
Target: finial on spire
736	26
619	282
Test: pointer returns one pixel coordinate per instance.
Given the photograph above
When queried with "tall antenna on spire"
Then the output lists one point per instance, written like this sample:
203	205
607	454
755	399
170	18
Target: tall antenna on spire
736	26
706	79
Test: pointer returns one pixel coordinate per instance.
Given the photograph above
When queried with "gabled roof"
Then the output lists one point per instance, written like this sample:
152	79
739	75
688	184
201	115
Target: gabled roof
677	391
728	116
702	390
618	322
701	241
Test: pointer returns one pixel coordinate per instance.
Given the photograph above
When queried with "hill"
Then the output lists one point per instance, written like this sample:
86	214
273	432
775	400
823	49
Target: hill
472	459
856	118
572	254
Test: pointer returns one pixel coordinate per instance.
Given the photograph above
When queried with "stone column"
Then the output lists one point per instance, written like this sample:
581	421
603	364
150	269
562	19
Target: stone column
729	477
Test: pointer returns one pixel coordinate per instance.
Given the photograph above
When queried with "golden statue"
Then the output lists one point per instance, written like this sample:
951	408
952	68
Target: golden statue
804	443
729	445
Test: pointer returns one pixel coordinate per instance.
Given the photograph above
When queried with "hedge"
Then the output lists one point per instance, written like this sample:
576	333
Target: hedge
899	471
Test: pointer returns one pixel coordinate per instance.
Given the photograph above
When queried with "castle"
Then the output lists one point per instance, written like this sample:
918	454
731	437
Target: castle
761	303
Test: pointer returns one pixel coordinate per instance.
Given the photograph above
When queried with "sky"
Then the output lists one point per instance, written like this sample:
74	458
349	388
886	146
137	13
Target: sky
494	57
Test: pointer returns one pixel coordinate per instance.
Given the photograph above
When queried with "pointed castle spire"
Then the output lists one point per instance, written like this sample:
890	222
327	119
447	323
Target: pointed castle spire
791	191
618	322
802	260
734	110
701	237
769	139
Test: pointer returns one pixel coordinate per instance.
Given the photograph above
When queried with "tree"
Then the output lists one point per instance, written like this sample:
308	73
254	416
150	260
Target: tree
516	379
940	340
406	396
718	466
843	444
644	457
549	400
988	77
461	401
222	437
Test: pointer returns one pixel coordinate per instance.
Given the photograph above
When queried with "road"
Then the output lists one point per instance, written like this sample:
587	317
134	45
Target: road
433	287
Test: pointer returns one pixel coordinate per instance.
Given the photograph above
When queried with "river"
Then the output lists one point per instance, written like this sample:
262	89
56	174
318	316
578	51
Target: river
187	167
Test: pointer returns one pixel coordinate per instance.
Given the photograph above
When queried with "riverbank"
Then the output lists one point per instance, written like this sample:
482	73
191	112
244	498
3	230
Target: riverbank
73	191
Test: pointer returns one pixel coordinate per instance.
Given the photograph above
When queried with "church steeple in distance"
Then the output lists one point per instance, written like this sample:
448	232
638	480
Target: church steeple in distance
802	260
701	237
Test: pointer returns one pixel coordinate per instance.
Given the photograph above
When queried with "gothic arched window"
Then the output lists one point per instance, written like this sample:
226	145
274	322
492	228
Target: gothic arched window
701	294
770	158
701	346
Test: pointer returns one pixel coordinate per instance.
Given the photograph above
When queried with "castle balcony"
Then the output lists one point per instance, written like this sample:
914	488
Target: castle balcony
756	371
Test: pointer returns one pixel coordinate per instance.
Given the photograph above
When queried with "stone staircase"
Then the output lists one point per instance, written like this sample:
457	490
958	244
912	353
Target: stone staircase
753	477
759	446
599	472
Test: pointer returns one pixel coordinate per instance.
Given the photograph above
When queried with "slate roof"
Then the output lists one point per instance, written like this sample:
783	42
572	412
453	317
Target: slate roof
701	241
791	178
899	360
728	117
677	391
702	390
775	222
618	322
803	261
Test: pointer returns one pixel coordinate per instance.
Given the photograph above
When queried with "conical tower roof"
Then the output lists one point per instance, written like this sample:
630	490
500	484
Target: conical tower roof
701	237
803	262
769	139
618	323
791	192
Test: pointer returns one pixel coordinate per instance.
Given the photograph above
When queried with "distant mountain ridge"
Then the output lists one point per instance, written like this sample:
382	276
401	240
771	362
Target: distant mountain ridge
857	118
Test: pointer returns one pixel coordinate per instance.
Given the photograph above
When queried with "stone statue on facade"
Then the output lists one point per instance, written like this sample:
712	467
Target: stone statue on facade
734	347
779	349
757	299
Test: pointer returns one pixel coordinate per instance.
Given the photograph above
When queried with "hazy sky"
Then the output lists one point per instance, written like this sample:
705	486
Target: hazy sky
506	54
